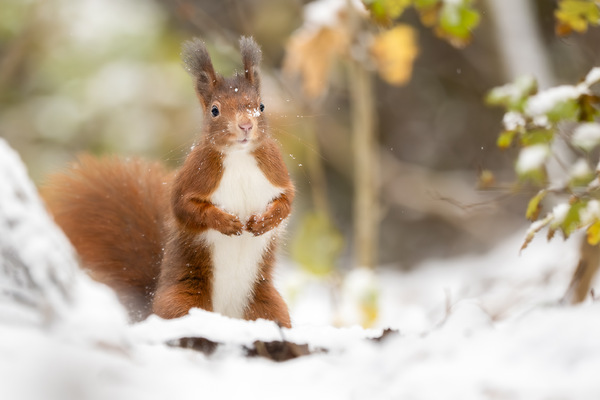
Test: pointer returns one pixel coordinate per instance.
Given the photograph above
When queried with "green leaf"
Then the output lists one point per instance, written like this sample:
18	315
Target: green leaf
513	96
530	165
572	220
581	181
419	4
564	110
580	174
457	21
317	244
537	136
534	207
537	177
385	11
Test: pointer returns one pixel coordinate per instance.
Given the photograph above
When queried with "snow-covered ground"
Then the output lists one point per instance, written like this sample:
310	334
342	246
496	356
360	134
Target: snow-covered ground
478	327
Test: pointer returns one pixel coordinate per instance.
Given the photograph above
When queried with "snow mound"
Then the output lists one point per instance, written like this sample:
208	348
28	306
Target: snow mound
37	262
500	332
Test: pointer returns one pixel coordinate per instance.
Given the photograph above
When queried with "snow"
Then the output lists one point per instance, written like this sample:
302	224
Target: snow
513	120
580	169
328	13
41	283
532	158
85	18
486	326
593	76
560	212
359	296
543	102
255	112
586	135
515	91
591	212
542	121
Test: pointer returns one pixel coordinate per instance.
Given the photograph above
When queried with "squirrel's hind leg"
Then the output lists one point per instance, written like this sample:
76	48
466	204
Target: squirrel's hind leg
267	303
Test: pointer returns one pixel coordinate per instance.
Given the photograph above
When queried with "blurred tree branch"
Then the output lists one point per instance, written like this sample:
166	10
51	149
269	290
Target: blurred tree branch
17	50
366	169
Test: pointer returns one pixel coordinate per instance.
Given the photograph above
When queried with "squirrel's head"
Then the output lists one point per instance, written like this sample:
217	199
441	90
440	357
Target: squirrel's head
233	111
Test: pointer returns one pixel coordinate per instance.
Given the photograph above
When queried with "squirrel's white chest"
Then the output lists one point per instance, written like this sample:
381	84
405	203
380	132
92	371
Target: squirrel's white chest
244	190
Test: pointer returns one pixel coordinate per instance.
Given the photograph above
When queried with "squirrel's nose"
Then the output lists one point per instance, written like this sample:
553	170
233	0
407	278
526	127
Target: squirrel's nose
246	126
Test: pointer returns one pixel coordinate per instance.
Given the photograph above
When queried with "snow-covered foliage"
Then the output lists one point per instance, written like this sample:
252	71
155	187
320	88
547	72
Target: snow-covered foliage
544	102
532	158
593	76
539	122
586	136
478	327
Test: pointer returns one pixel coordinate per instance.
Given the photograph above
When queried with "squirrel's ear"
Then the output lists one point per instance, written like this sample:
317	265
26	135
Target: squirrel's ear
251	56
199	65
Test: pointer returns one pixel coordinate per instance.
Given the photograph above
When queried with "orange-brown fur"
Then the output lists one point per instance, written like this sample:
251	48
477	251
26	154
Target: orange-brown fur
112	211
136	227
267	302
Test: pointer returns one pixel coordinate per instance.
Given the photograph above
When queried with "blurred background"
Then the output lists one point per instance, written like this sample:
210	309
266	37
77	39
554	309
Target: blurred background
104	76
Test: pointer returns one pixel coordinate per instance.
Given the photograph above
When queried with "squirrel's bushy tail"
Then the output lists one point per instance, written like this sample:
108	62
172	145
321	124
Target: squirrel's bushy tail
114	212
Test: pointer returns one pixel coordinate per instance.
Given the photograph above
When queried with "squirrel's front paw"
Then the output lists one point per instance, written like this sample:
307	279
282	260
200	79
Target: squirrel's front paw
229	225
259	224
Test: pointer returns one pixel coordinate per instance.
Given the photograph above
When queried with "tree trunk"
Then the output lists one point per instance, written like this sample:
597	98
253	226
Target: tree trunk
584	273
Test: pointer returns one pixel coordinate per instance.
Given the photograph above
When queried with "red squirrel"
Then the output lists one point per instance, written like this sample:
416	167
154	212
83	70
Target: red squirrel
204	236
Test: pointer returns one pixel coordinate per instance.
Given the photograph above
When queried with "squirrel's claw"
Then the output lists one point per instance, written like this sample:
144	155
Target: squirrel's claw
258	225
230	225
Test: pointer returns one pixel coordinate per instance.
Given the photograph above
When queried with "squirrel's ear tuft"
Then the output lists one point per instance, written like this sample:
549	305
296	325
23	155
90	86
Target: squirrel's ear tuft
199	65
251	57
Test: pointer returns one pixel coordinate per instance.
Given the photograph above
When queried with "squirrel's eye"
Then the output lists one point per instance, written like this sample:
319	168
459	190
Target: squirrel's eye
214	111
262	107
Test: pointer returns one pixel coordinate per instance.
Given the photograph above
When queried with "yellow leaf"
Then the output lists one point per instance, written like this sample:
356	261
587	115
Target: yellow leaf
533	208
394	52
429	12
369	308
575	15
486	179
593	233
360	297
310	55
505	139
317	244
